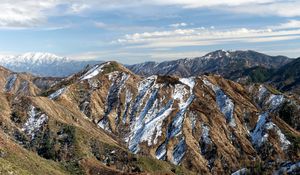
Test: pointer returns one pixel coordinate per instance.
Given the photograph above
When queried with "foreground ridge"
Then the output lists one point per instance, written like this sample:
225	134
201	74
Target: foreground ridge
106	119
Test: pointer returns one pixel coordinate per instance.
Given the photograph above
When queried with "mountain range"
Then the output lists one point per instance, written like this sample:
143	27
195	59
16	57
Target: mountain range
221	62
44	64
240	66
106	119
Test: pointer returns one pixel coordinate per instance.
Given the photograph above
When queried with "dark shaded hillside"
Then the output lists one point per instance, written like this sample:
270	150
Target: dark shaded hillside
252	75
225	63
287	78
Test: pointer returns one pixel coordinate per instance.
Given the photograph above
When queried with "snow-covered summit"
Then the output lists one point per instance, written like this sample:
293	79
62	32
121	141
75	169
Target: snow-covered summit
32	57
43	64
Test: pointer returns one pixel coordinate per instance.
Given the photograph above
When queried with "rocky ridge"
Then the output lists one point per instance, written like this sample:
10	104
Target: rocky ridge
101	118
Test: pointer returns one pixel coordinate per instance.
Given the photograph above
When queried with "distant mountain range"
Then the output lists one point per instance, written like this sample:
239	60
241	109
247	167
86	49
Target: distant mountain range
241	66
221	62
44	64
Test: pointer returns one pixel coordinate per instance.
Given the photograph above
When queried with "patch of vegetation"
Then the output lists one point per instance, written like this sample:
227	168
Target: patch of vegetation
294	150
259	74
24	162
15	117
287	113
159	167
273	90
168	80
47	150
113	66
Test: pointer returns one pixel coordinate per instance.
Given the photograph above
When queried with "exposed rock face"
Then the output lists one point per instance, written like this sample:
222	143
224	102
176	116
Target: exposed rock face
202	124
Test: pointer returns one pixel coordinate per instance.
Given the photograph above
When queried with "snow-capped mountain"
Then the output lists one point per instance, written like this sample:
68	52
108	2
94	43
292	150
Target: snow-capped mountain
43	64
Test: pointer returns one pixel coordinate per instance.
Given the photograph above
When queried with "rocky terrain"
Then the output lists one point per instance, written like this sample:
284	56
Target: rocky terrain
107	120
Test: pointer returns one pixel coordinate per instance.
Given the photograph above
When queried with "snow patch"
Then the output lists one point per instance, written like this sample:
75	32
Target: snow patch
154	126
179	152
193	120
262	92
225	104
180	92
260	135
188	81
104	125
161	152
34	122
242	171
143	88
94	71
289	168
128	99
283	141
274	101
137	128
176	125
10	82
57	93
205	139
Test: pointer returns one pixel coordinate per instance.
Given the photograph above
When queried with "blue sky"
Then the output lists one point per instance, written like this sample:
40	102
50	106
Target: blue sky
132	31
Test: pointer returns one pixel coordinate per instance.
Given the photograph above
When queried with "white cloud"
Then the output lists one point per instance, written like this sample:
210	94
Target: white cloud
275	8
77	8
20	13
31	13
206	37
127	57
100	25
211	3
176	25
291	24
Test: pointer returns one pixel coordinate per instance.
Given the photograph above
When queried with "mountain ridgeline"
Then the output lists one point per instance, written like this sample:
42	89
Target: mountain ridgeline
241	66
106	119
220	62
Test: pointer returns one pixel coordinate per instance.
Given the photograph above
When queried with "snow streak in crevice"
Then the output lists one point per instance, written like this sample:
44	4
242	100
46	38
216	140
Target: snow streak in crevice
143	88
179	152
260	134
139	125
10	82
57	93
225	104
175	127
118	82
128	99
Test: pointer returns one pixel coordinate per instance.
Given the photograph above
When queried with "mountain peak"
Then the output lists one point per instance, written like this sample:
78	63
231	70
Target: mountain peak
40	57
217	54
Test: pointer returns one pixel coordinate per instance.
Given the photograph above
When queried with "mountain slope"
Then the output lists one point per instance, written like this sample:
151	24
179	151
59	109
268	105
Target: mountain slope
287	78
220	62
217	121
108	120
61	132
44	64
